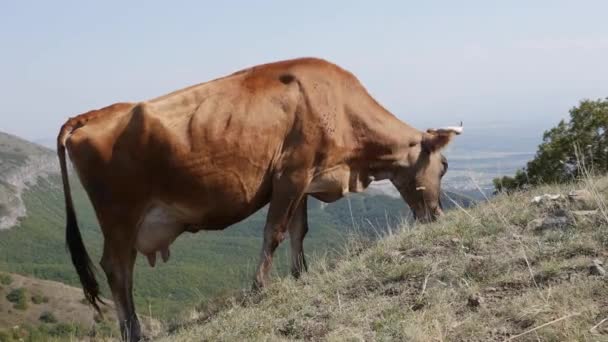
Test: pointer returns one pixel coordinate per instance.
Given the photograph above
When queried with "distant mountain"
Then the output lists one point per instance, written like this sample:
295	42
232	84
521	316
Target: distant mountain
201	266
50	143
21	165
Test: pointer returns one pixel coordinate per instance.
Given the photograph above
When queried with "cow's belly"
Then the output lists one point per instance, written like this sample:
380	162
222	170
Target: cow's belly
161	224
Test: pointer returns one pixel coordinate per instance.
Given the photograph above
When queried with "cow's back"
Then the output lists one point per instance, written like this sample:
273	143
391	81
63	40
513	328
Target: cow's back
210	149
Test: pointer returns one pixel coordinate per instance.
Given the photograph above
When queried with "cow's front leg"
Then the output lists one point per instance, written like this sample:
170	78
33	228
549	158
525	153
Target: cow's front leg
288	191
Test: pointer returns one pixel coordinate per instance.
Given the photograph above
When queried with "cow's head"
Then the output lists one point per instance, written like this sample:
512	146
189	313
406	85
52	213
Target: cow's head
418	178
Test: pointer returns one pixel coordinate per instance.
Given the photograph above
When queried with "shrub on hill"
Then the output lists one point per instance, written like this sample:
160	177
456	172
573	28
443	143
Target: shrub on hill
18	297
47	317
5	279
39	299
64	330
567	149
44	333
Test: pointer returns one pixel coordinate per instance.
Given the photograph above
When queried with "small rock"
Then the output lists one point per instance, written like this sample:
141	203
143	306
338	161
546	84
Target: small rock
550	222
546	197
555	221
582	199
455	241
584	213
475	300
491	289
596	268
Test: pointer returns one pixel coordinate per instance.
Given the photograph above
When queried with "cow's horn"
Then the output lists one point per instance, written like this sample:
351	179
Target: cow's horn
450	129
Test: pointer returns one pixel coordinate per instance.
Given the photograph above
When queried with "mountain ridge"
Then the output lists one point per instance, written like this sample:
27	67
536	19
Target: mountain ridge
20	173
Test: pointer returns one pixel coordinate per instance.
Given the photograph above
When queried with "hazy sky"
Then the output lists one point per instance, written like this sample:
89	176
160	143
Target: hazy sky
517	64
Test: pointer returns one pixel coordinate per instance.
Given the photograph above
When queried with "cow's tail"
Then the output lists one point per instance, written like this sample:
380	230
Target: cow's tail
80	257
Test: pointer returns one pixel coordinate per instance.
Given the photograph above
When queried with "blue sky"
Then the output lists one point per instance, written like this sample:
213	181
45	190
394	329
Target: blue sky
510	65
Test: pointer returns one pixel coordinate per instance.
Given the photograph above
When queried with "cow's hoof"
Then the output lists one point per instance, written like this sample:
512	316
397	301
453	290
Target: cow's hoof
258	286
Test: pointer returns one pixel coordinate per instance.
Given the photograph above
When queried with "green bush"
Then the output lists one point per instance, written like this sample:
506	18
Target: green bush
47	332
47	317
65	330
32	334
22	333
18	297
6	337
566	148
105	329
39	299
5	279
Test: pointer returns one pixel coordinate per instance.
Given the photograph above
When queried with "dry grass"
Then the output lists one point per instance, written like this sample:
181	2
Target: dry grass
477	275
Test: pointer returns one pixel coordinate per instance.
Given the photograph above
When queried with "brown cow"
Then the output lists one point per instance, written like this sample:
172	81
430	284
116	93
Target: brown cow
208	156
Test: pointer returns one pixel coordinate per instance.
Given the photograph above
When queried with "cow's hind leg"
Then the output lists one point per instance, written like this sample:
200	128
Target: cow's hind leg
117	262
288	191
298	227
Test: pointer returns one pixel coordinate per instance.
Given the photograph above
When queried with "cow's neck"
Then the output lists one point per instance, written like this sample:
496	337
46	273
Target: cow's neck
382	139
382	143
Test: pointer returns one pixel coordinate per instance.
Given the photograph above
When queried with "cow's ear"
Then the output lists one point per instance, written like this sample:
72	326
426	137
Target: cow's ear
436	139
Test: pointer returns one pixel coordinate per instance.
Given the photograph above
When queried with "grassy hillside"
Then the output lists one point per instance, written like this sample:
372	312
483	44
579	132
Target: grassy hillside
201	266
505	270
40	310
